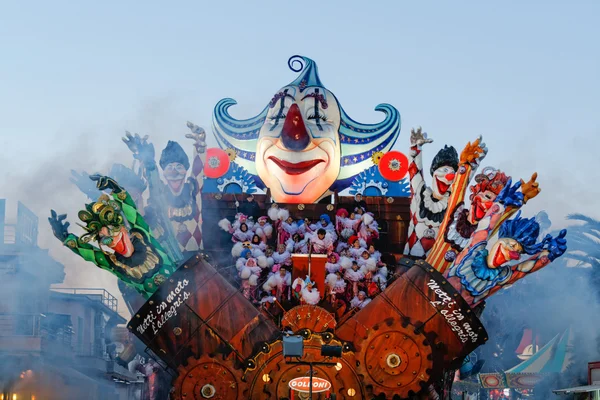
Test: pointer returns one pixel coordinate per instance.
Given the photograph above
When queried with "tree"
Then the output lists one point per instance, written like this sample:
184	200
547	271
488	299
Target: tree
584	246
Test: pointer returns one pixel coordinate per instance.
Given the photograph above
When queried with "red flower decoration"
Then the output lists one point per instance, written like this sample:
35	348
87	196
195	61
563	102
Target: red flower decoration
217	163
393	166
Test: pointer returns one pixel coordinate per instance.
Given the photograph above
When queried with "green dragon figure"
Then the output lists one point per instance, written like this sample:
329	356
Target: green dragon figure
114	222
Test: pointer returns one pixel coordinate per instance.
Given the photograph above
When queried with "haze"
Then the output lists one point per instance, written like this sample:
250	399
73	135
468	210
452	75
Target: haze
75	75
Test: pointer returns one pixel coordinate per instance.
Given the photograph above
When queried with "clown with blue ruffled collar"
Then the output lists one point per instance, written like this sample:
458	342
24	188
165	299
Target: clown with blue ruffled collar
478	273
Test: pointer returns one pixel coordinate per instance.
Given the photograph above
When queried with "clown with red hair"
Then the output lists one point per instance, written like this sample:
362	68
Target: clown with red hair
488	186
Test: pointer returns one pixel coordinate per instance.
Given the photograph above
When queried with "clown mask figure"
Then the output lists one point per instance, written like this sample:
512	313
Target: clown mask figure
298	146
303	142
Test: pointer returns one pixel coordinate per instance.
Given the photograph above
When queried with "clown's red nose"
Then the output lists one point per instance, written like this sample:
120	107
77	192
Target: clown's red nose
450	177
294	135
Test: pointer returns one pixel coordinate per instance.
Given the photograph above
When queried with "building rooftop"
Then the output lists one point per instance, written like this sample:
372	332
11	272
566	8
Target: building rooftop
97	296
23	232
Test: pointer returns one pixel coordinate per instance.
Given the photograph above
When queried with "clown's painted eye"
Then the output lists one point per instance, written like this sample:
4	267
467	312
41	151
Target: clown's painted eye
278	117
107	240
317	115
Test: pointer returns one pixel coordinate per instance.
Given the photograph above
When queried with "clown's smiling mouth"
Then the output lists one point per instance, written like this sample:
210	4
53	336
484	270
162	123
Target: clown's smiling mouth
295	169
442	186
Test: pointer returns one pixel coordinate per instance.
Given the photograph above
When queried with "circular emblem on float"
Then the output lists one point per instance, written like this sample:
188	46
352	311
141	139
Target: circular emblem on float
329	207
429	233
450	255
217	163
393	166
300	207
302	384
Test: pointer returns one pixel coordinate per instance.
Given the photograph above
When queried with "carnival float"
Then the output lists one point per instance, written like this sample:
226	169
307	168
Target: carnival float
305	257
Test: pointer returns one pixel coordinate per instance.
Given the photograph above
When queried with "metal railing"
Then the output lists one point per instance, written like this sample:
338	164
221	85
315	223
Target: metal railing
10	234
94	294
20	324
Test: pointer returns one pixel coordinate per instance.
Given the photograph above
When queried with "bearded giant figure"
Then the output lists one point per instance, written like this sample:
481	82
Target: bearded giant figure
303	145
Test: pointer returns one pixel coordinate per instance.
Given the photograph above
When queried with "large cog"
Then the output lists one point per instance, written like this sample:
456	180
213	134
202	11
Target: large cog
315	318
268	374
208	378
395	359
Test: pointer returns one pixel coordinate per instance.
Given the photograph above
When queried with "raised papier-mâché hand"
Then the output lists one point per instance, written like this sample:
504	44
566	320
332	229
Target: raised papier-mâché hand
106	182
556	246
198	136
139	146
510	195
530	189
474	153
418	137
60	227
83	182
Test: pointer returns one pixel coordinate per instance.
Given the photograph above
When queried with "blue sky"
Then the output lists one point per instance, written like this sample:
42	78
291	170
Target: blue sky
75	75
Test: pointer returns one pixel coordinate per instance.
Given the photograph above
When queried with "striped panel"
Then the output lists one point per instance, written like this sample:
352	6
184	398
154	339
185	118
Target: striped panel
441	247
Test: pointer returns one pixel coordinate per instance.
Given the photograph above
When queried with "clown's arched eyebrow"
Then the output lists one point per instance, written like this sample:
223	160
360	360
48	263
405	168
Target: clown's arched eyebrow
281	98
319	98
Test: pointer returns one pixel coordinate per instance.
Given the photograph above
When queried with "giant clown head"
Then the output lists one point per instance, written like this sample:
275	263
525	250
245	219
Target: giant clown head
105	224
516	237
303	144
488	186
175	164
443	170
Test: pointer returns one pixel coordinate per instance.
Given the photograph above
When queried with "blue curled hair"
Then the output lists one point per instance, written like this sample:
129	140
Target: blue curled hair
326	218
523	230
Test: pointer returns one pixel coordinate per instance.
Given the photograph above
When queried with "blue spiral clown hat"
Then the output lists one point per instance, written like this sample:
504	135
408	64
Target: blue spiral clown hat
358	141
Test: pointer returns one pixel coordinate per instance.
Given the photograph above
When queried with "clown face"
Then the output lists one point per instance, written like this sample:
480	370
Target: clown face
480	204
116	239
442	180
175	174
298	151
504	250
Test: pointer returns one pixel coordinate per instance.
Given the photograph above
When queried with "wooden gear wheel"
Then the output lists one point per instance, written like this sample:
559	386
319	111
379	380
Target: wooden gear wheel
268	375
395	359
315	318
208	378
